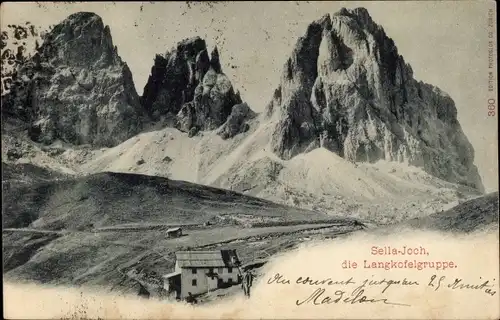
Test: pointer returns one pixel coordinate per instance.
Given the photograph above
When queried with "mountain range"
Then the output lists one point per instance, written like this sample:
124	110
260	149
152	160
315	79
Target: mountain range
347	131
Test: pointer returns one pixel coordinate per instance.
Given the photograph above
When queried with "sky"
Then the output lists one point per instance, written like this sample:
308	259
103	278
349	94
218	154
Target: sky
445	42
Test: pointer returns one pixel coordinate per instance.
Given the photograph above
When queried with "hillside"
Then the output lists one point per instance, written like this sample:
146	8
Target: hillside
473	215
111	199
382	192
108	229
28	173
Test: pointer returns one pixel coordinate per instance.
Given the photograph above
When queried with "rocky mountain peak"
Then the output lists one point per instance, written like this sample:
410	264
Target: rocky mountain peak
189	86
360	14
82	32
346	88
76	88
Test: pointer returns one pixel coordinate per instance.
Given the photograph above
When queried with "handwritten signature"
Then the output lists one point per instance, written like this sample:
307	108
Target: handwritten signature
356	297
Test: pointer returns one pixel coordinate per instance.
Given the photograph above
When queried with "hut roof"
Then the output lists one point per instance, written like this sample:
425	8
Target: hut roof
172	274
197	259
174	229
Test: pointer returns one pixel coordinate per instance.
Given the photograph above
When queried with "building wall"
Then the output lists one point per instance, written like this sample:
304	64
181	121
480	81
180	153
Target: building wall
187	278
204	283
167	287
226	275
172	285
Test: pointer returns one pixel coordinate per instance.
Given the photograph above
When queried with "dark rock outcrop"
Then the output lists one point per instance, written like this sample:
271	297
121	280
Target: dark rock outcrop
76	88
188	84
237	121
175	76
346	88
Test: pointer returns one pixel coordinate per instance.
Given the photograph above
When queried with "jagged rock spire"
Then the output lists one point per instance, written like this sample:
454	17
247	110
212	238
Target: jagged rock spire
214	60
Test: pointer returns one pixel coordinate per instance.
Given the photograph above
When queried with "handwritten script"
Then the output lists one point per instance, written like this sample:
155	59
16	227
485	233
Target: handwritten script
354	292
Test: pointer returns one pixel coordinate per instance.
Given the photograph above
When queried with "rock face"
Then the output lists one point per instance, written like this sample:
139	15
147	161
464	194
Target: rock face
346	88
191	86
76	88
236	121
17	41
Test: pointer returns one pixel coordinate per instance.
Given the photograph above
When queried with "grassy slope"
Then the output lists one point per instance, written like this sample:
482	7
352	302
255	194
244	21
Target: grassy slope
110	199
469	216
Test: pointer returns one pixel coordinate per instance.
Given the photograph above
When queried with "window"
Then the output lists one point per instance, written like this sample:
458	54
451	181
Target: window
211	270
193	282
193	270
221	270
229	280
229	269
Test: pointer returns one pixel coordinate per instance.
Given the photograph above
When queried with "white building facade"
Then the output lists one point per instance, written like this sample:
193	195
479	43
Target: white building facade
198	272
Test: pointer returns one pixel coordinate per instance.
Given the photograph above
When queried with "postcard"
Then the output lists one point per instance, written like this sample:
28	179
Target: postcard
250	160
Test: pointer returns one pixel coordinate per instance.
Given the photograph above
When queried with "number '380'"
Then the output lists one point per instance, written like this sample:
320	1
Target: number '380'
491	107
